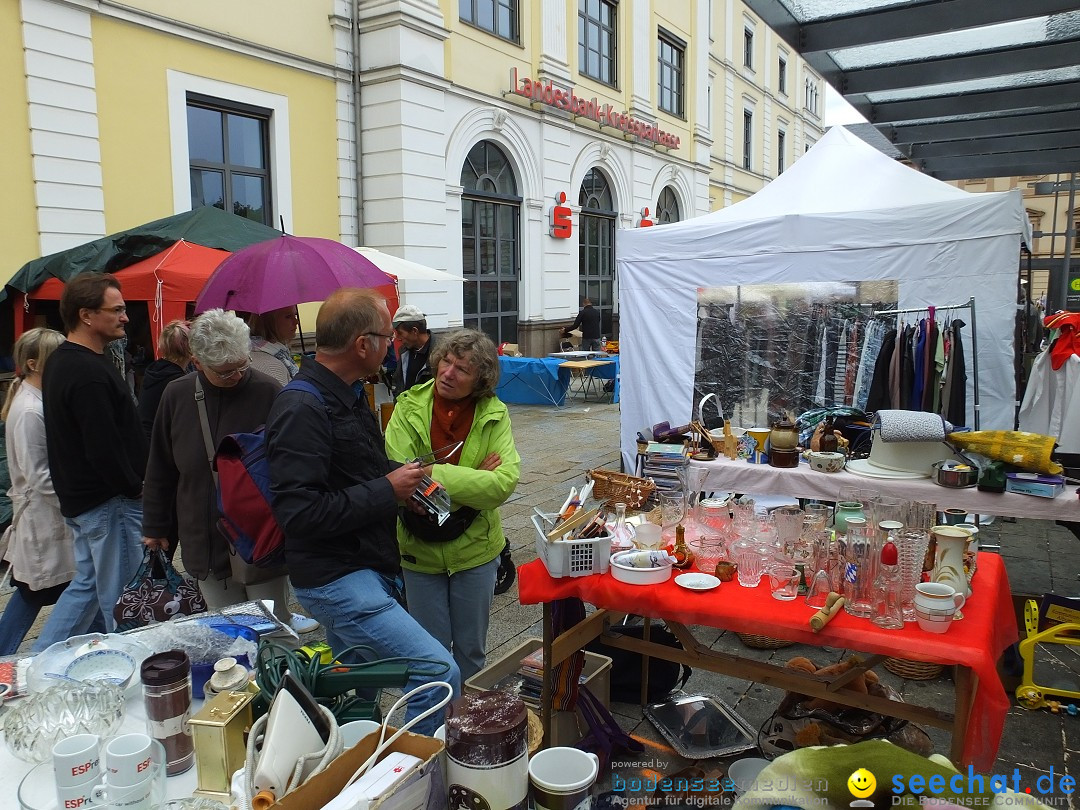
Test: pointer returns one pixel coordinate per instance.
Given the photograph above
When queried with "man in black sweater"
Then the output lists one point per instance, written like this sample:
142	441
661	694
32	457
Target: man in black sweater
588	321
97	455
410	328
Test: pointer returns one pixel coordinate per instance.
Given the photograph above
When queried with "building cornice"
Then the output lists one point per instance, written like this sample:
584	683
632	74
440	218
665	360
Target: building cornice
206	36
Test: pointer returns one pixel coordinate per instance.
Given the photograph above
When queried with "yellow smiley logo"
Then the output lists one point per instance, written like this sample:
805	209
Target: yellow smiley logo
861	783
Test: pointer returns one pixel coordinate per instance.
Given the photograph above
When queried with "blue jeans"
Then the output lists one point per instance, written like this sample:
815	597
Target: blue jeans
108	550
455	609
359	608
18	618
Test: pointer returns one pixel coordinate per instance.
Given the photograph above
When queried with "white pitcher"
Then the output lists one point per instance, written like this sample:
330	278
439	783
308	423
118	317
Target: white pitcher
950	543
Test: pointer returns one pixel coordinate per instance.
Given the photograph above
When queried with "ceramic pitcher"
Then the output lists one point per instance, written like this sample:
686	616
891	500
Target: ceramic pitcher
935	606
950	544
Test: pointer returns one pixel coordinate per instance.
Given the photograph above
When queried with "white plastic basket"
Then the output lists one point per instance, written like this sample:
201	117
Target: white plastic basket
570	558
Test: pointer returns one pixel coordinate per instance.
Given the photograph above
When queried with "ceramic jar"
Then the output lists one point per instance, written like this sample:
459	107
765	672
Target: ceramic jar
935	606
784	436
950	543
827	462
845	510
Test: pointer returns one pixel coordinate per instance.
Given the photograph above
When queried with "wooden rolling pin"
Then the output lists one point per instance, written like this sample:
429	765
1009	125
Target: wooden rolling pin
834	603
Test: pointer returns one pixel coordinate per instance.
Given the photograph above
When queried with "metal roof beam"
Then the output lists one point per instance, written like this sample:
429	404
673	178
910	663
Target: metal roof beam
1004	144
1000	62
1017	163
983	127
915	20
1013	98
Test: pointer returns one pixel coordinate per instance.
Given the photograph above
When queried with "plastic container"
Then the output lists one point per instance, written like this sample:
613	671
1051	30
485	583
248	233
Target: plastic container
638	576
570	558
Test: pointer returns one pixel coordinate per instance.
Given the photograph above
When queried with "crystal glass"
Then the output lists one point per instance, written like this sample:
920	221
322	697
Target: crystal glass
789	522
751	560
672	512
921	515
34	724
859	495
742	511
820	512
714	518
709	551
886	507
858	570
784	582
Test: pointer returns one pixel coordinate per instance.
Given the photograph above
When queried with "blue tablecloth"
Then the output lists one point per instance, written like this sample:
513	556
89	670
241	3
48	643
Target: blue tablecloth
540	381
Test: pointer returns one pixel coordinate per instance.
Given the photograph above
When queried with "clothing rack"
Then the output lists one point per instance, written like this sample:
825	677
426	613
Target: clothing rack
970	305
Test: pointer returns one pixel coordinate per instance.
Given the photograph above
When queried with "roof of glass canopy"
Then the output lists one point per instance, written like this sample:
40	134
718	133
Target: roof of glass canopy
963	88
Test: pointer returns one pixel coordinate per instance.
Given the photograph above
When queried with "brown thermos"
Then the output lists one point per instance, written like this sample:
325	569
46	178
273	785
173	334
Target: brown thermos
166	681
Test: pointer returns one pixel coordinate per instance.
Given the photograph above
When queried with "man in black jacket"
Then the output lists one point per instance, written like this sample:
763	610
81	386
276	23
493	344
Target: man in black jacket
410	328
588	321
97	455
335	495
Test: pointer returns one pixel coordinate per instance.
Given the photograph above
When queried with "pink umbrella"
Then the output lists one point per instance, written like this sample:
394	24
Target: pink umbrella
287	271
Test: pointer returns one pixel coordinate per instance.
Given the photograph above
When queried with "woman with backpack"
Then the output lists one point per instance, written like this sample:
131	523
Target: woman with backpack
225	395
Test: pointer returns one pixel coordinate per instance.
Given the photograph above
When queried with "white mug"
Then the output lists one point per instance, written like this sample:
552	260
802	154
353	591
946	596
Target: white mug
561	778
129	759
139	796
77	795
76	760
935	605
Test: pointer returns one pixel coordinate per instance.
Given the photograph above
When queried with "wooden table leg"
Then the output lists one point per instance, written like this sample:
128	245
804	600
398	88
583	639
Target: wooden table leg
966	682
545	681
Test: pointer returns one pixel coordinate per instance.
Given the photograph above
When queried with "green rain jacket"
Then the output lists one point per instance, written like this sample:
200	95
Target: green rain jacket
408	435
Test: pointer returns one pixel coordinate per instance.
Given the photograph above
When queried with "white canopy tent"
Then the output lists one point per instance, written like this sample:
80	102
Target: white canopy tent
843	212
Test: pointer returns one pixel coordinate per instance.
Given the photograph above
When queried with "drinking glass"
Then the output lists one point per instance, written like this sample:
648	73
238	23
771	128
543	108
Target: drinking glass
710	551
714	518
911	552
858	570
672	509
751	560
742	511
921	515
819	512
859	494
784	581
789	522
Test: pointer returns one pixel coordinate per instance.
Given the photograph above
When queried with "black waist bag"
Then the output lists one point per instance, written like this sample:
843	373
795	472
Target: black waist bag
664	676
426	529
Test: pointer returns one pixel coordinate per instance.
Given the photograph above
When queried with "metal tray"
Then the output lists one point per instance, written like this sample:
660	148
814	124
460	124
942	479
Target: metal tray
701	726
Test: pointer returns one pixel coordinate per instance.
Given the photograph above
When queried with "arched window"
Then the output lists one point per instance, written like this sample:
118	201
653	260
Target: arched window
490	244
596	247
667	206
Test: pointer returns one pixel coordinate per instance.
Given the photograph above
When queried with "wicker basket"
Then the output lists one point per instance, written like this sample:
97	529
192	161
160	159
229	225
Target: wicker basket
615	487
762	642
912	670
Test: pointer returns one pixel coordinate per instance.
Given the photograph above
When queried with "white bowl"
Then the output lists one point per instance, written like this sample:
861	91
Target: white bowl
638	576
827	462
744	772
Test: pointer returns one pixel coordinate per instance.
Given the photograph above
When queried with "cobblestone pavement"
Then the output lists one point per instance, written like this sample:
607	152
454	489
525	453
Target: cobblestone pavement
558	446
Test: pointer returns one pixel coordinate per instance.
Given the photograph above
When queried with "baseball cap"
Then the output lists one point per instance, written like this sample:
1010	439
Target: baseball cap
407	313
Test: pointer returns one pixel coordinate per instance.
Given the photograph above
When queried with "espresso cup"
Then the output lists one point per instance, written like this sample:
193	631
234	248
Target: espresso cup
561	778
77	795
139	796
129	759
76	760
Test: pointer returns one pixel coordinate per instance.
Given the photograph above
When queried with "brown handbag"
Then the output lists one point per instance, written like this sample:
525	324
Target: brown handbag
148	599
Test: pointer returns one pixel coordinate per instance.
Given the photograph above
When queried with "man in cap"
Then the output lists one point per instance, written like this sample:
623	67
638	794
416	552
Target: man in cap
410	328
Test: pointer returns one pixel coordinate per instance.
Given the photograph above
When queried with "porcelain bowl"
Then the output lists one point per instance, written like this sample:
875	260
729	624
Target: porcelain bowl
826	462
112	666
637	576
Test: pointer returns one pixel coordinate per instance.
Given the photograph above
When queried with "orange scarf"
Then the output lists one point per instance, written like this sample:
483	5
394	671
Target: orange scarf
451	421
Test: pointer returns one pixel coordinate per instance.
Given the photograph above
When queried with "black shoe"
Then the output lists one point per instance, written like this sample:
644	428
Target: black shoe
507	571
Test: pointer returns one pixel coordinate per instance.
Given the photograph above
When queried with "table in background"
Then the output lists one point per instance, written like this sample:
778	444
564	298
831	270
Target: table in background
541	381
587	373
580	355
972	645
802	482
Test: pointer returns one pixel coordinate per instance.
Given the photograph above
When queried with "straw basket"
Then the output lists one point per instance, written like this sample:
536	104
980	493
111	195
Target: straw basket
762	642
615	487
912	670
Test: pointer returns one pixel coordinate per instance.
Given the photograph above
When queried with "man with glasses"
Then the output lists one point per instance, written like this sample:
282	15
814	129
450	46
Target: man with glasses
97	455
335	495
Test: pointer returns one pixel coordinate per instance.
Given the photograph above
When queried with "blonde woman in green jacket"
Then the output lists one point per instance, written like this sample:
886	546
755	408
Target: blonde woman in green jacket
450	570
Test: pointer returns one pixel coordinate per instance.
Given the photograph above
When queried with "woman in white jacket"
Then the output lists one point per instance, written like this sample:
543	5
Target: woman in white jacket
40	549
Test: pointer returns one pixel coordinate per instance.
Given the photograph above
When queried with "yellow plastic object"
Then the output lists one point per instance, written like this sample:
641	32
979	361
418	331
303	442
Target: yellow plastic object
320	651
1029	694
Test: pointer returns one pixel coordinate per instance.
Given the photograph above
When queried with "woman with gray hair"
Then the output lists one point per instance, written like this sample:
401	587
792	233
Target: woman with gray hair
179	482
450	570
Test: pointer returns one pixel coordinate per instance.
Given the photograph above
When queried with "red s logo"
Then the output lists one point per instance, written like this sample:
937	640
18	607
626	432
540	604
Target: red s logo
562	223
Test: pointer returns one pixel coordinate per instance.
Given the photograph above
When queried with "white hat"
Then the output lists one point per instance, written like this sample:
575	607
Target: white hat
900	459
407	313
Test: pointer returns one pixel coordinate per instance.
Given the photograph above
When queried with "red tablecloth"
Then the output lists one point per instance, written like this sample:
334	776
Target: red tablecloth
988	627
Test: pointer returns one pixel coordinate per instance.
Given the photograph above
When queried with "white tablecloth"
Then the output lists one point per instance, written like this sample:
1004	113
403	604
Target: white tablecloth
803	482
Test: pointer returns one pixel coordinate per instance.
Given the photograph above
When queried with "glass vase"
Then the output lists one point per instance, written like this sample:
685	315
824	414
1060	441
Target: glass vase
911	547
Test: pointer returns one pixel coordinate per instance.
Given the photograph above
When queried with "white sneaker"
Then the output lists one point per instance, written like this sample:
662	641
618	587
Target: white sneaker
303	624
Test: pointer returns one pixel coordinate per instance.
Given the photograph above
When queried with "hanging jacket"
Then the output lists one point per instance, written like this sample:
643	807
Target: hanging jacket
408	435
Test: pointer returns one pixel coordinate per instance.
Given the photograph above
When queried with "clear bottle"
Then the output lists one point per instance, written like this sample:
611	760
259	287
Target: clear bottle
888	612
619	532
858	567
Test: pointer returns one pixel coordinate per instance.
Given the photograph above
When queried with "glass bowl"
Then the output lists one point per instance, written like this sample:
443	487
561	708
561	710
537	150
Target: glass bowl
34	724
52	664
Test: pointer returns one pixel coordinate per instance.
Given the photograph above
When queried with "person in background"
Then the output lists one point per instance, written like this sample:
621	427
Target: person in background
410	328
40	549
179	480
450	570
174	358
271	334
335	495
97	455
588	321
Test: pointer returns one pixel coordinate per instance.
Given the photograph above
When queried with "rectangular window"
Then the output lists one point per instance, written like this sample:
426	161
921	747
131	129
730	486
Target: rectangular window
670	72
596	39
748	139
781	137
748	47
229	157
499	17
781	76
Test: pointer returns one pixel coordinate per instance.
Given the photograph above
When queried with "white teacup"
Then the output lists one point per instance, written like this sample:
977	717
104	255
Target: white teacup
354	731
560	778
76	760
76	795
139	796
935	606
129	759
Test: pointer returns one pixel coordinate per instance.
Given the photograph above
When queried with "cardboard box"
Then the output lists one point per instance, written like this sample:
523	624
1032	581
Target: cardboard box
423	789
566	727
1042	486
